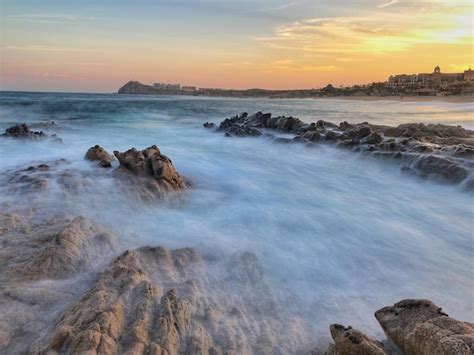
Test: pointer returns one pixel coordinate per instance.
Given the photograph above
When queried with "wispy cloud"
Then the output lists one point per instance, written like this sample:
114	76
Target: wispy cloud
44	48
374	33
387	4
51	18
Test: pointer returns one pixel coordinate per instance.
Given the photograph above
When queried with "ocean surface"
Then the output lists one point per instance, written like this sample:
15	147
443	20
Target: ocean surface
346	234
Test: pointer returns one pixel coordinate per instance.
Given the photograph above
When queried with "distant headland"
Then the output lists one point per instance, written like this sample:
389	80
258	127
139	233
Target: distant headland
424	84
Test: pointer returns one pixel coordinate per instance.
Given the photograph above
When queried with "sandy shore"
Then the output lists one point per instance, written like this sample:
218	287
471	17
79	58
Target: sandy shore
453	99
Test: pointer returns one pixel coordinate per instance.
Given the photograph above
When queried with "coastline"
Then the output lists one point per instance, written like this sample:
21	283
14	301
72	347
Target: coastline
450	99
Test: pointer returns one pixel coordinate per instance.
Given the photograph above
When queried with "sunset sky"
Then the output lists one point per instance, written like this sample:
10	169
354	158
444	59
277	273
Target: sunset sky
57	45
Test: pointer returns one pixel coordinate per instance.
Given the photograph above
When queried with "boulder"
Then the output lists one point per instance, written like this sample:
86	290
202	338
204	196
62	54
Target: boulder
435	167
99	154
23	131
419	327
208	125
349	341
148	173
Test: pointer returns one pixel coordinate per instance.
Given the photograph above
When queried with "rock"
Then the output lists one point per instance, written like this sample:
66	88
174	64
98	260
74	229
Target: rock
349	341
208	125
50	124
41	270
439	152
435	167
152	300
97	153
23	131
419	327
372	138
148	173
57	250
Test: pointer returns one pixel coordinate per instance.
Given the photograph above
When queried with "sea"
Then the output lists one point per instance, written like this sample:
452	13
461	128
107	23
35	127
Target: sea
344	234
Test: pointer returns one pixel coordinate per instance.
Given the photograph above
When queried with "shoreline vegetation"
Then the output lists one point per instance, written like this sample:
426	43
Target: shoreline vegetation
373	92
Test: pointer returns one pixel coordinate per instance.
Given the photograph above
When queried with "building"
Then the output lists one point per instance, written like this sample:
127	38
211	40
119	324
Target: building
469	75
436	78
167	87
188	88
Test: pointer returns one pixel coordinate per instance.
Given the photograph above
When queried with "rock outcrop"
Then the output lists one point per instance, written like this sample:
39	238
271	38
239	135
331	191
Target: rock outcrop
438	152
99	154
416	327
23	131
419	327
156	301
41	268
148	173
349	341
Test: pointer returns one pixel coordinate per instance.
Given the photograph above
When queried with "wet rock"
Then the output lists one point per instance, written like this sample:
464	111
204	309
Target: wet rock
419	327
40	270
97	153
57	250
372	138
420	131
50	124
148	173
152	300
435	167
312	136
208	125
348	341
23	131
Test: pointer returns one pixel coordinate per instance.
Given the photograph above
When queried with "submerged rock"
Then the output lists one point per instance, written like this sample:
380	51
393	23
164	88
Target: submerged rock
419	327
97	153
23	131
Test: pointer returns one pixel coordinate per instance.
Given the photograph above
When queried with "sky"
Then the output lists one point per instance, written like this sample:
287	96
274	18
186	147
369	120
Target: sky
99	45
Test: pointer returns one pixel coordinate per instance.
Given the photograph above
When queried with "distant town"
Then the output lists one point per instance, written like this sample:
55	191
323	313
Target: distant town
435	83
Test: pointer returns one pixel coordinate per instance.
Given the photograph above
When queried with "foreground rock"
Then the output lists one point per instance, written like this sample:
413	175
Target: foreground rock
419	327
348	341
438	152
156	301
148	173
41	267
416	327
23	131
99	154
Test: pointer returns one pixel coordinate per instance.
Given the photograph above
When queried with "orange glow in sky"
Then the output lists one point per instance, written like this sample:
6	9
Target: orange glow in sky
99	45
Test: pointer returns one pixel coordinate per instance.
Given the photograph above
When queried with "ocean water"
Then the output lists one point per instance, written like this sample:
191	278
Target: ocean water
346	234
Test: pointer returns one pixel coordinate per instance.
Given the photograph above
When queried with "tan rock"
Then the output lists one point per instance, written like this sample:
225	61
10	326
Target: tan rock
156	301
97	153
419	327
349	341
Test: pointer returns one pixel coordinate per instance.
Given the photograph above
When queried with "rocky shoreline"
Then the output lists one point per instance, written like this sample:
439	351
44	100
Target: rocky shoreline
70	286
437	152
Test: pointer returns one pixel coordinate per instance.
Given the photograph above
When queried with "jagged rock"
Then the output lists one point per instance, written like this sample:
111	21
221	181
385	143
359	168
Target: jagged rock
438	152
54	251
152	300
23	131
40	270
50	124
419	327
434	167
208	125
420	131
97	153
348	341
148	173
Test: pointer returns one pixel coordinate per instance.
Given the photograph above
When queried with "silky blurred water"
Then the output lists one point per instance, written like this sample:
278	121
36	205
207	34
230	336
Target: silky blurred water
346	234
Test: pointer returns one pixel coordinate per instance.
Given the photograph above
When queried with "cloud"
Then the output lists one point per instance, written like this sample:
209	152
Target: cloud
373	33
390	3
44	48
51	18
